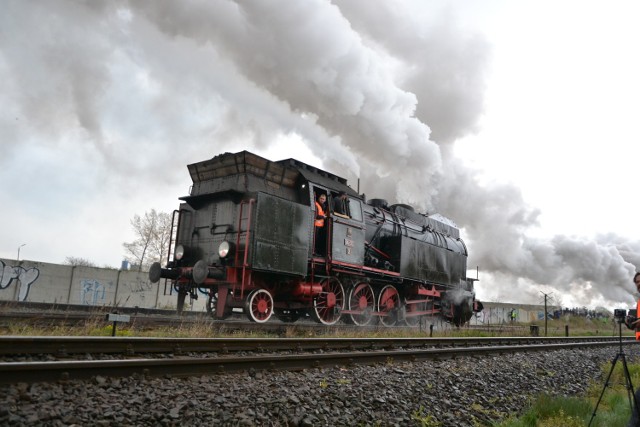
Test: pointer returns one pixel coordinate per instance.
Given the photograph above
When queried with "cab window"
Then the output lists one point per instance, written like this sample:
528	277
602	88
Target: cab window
356	209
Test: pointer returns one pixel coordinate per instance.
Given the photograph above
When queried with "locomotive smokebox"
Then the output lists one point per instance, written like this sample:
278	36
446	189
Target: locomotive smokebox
457	306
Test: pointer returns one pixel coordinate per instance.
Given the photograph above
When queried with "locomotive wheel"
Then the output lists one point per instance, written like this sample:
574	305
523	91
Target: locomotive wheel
389	305
328	305
361	298
212	304
259	305
413	321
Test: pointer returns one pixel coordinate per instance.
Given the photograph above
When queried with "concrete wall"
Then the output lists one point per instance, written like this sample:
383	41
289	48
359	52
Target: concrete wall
33	281
496	313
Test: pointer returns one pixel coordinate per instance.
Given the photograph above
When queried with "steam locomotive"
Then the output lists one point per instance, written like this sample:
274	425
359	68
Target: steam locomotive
246	236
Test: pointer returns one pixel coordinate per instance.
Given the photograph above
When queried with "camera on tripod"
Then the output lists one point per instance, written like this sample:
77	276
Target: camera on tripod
625	316
628	318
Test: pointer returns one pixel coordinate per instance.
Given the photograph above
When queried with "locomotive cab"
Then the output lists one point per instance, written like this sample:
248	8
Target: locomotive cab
344	233
348	234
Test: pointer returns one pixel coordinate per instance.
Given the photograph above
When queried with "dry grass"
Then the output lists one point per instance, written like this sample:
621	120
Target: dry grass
203	327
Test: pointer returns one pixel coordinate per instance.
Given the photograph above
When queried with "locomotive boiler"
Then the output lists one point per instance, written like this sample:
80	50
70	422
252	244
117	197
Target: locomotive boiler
246	236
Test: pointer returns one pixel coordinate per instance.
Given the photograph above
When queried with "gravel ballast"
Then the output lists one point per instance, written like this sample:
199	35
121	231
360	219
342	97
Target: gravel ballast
466	391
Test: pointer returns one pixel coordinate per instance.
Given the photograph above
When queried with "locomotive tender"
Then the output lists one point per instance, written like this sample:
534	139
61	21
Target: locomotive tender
245	235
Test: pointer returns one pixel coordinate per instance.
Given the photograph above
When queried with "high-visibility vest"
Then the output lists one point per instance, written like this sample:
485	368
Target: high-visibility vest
638	317
319	222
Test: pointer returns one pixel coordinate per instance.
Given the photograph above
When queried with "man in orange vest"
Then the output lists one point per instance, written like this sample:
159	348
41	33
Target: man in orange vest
635	419
636	281
631	321
321	230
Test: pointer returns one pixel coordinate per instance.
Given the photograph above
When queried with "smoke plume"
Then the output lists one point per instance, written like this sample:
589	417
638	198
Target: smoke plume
140	89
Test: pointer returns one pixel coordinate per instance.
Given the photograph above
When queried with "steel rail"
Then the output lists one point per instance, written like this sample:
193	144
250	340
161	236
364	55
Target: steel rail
46	314
128	346
29	372
74	319
235	322
45	307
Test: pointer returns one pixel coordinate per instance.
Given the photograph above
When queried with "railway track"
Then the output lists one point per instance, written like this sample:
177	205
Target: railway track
129	346
70	314
150	322
232	355
49	315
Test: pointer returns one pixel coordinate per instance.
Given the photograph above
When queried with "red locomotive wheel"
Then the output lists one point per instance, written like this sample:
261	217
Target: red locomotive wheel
361	299
414	320
389	305
328	304
259	305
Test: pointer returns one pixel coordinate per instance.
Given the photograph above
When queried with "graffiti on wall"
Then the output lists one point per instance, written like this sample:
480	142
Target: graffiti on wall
93	292
26	277
139	286
497	315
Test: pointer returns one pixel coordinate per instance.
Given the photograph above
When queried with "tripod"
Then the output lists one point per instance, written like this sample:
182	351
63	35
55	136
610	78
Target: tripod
630	390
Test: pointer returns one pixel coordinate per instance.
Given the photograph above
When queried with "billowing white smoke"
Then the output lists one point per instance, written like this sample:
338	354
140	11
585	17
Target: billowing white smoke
158	84
496	218
307	55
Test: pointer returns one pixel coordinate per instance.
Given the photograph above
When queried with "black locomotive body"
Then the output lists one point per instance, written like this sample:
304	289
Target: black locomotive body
246	235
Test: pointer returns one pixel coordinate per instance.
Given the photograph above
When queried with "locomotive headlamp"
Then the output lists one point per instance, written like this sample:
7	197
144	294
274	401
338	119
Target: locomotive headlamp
225	249
179	252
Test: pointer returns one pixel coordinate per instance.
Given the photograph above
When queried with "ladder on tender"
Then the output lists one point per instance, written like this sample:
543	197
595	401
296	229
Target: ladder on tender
243	239
173	236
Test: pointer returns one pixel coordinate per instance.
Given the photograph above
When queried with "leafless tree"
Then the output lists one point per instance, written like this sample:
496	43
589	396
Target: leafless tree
80	262
152	242
555	302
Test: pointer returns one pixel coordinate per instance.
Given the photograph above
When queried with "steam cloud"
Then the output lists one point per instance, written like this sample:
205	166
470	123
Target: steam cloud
141	87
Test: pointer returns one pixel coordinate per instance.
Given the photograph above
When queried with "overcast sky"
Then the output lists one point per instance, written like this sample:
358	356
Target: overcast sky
517	120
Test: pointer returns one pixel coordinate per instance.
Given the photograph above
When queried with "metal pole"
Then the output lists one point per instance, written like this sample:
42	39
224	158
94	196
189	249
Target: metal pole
546	316
19	250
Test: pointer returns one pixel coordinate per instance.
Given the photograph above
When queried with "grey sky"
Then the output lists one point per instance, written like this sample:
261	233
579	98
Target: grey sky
105	103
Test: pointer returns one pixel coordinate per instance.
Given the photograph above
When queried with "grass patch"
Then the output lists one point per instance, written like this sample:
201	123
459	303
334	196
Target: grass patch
204	327
560	411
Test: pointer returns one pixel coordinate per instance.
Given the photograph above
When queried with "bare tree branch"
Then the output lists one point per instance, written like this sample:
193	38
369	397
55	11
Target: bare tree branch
80	262
152	242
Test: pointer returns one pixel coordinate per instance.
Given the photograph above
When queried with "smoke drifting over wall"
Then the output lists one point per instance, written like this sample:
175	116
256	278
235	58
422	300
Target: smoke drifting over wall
378	92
